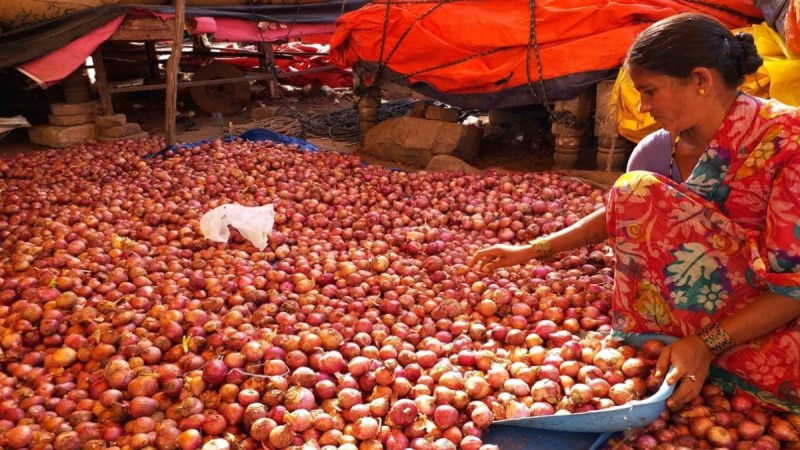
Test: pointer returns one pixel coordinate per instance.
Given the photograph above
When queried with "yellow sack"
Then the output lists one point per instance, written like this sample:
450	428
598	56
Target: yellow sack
781	69
778	78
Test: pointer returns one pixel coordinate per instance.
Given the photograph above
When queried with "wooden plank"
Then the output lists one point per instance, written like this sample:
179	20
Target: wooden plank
101	80
250	76
143	28
173	65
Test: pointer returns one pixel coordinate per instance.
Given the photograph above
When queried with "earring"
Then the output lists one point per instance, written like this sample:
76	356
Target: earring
701	92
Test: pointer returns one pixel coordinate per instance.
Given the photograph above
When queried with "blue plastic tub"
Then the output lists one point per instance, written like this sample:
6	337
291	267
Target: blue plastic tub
637	414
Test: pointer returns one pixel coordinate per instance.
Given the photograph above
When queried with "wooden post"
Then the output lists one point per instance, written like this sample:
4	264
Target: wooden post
102	82
266	60
173	66
152	60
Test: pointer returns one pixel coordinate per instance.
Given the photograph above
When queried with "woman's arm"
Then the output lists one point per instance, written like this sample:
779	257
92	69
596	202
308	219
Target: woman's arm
692	357
589	230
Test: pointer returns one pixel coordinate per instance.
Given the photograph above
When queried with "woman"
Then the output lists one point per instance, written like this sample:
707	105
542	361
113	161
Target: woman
707	237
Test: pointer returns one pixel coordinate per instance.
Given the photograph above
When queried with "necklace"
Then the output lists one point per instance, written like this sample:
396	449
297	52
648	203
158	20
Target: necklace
672	157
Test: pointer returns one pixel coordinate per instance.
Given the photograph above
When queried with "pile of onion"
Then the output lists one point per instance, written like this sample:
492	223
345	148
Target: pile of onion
358	327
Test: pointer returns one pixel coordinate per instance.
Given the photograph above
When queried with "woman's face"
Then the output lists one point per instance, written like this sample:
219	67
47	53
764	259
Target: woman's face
666	98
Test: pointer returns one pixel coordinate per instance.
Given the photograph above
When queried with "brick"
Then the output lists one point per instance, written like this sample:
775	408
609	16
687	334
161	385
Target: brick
71	109
114	120
121	131
68	121
132	137
60	137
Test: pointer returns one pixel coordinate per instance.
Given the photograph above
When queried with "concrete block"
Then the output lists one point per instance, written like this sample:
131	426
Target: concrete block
113	120
60	137
70	109
121	131
71	120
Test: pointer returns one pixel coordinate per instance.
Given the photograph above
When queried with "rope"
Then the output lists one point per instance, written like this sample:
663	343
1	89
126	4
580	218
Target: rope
279	124
344	125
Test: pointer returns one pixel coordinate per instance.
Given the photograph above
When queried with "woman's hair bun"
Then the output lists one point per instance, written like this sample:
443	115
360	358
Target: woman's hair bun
748	59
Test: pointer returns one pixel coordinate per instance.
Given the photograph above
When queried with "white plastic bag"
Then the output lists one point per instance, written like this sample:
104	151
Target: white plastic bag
253	222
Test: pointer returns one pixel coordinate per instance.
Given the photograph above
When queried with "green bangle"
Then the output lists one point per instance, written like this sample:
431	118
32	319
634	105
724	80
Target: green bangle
541	249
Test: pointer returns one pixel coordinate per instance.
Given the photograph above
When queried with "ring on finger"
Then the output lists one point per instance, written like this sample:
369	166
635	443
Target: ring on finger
691	377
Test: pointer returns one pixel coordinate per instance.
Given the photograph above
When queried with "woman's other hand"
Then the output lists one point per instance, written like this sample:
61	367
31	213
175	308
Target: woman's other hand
690	359
500	255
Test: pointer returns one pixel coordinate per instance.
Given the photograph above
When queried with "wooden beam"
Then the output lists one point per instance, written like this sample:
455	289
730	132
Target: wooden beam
143	28
173	65
101	80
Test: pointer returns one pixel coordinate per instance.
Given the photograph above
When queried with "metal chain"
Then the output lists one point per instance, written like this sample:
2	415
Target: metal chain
408	30
381	65
533	42
450	63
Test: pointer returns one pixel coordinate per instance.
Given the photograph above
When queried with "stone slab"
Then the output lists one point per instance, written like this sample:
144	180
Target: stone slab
71	120
113	120
121	131
70	109
132	137
60	137
444	114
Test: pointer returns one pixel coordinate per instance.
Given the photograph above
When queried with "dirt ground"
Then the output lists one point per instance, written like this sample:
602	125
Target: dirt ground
529	150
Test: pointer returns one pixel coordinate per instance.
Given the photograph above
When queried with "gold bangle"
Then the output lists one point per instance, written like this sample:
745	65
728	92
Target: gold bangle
541	249
716	339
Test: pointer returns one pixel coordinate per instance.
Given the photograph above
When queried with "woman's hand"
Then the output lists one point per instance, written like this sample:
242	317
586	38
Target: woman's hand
500	255
690	360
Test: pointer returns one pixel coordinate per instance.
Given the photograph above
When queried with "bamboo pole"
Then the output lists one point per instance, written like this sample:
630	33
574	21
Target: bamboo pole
173	66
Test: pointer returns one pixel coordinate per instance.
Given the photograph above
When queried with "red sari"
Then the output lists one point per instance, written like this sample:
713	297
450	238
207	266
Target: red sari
690	254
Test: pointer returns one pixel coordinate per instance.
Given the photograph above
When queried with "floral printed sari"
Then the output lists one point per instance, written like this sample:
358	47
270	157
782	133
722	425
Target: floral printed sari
691	254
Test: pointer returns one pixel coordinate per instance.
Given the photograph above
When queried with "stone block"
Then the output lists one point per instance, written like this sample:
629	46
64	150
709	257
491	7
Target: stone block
80	96
418	110
109	121
444	114
121	131
60	137
132	137
71	120
416	141
447	163
71	109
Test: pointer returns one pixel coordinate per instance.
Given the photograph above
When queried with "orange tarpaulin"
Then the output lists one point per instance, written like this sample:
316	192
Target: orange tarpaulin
481	47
